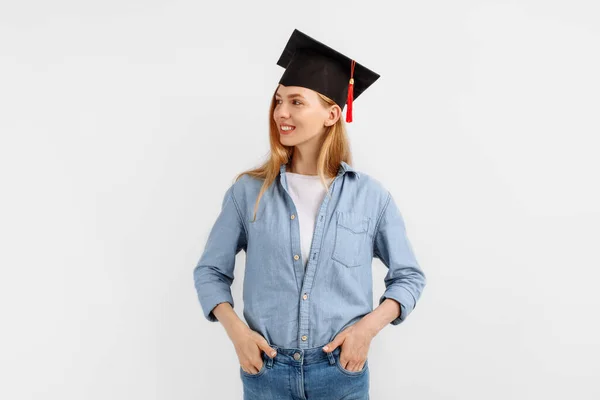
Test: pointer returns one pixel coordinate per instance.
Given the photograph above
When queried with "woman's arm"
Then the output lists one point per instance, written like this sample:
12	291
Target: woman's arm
379	318
230	320
405	279
214	272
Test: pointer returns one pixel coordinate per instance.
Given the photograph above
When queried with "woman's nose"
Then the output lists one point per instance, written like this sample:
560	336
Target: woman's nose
281	112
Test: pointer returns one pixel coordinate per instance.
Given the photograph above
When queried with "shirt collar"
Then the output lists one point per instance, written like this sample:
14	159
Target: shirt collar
344	167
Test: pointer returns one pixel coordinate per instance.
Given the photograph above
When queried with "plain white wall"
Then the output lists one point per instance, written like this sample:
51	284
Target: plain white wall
123	122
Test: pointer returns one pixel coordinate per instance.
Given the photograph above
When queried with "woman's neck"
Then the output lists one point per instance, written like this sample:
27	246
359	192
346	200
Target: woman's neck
304	165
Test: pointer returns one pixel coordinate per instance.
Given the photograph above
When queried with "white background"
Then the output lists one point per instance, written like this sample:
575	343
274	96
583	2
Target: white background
123	123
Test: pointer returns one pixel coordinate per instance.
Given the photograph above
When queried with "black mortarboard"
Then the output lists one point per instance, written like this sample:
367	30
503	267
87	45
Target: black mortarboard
311	64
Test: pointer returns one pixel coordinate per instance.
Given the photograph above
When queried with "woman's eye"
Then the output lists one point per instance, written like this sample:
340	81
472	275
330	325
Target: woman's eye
277	101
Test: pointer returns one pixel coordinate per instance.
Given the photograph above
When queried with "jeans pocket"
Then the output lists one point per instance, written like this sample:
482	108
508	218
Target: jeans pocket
352	245
260	371
351	373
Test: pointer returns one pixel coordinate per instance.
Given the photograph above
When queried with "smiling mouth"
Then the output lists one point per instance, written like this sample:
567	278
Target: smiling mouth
286	128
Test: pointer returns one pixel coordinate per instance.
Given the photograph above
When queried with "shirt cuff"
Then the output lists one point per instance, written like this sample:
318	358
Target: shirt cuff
402	296
210	303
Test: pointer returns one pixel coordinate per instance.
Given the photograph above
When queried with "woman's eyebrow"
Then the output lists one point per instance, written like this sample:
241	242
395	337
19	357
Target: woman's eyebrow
291	95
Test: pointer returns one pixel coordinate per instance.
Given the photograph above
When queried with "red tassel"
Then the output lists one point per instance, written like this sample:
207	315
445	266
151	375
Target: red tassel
349	101
350	94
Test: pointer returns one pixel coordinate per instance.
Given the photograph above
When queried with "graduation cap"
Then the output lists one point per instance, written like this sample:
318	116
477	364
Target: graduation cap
311	64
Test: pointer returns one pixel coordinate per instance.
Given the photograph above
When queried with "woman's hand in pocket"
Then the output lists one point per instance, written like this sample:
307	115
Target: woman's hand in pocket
354	343
248	346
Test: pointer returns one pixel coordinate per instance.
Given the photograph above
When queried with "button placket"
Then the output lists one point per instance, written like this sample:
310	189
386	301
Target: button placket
305	276
304	322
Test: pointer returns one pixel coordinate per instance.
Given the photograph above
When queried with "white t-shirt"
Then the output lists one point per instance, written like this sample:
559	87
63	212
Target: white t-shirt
308	193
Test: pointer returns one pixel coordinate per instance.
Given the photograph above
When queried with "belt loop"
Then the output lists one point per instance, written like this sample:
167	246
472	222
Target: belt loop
331	358
269	359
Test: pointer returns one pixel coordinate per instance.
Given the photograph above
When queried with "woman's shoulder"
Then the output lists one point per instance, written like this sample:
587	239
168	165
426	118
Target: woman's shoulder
372	184
245	187
247	181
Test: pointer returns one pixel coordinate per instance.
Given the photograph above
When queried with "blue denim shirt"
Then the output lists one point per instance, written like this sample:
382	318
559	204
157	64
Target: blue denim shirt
294	307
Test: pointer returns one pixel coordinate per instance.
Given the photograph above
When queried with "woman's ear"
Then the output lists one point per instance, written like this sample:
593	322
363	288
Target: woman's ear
335	113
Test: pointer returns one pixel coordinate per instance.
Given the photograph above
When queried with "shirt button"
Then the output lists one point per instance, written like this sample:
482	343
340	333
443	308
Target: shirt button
304	337
296	257
297	356
305	296
293	216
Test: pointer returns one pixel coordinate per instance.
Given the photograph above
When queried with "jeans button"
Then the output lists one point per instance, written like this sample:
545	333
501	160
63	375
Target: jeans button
297	356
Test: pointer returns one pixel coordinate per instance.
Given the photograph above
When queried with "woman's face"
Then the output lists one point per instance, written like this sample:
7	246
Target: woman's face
301	110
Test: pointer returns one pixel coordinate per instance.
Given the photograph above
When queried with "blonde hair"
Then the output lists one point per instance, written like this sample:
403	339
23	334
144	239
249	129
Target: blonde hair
335	149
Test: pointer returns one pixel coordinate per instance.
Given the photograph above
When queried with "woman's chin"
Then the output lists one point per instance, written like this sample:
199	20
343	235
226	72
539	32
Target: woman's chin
287	139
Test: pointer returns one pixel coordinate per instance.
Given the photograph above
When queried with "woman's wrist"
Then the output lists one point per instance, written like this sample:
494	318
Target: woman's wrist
229	319
382	316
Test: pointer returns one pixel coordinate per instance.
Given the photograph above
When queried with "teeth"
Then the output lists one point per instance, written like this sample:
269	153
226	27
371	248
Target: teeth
286	128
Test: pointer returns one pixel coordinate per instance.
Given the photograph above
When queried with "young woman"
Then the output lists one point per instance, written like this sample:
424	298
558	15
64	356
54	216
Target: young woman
310	225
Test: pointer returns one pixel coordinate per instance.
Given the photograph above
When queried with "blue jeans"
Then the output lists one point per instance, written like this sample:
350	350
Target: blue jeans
310	374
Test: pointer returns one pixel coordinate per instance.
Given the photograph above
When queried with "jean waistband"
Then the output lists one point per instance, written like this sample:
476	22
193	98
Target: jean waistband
295	356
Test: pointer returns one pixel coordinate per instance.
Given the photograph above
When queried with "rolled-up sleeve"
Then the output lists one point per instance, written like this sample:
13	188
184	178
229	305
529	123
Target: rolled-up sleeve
214	272
405	279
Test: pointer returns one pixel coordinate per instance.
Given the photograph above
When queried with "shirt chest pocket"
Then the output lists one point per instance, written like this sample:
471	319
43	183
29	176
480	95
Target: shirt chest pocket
352	245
